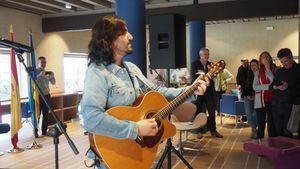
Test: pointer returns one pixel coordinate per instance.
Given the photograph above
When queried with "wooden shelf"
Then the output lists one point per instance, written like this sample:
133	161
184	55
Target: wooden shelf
65	106
71	107
55	110
58	113
56	102
70	113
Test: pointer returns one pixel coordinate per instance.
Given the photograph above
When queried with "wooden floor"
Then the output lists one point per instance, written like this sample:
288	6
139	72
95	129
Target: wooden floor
212	152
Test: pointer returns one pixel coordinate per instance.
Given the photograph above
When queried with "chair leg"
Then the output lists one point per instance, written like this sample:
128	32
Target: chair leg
180	148
221	117
241	121
185	135
236	120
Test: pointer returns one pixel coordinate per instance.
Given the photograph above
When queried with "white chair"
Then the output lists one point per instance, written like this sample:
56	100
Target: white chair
183	119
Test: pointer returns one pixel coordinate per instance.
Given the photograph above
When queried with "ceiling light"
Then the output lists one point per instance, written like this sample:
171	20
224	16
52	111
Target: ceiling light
68	6
269	28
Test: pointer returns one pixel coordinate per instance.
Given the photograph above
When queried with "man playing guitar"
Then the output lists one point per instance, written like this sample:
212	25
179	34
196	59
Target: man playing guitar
111	82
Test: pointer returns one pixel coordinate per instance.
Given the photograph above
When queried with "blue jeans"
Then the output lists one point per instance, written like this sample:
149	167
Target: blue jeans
250	112
92	155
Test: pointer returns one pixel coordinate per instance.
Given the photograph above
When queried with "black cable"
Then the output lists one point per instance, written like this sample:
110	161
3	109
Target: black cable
86	157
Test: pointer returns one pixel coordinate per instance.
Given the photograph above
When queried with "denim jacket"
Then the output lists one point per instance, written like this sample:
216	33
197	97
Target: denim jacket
110	86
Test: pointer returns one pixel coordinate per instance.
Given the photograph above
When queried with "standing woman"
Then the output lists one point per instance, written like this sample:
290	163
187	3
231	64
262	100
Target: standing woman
249	97
263	96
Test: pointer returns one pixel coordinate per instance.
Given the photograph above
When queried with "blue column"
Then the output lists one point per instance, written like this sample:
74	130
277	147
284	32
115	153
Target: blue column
197	39
133	12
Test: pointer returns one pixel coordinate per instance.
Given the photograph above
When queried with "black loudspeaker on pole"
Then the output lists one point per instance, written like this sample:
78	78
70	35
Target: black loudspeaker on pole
167	41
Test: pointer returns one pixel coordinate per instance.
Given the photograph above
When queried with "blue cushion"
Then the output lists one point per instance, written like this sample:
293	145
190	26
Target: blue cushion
227	103
4	128
230	104
25	110
240	108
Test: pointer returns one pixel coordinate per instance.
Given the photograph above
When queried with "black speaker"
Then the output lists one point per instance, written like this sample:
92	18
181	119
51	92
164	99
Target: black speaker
167	35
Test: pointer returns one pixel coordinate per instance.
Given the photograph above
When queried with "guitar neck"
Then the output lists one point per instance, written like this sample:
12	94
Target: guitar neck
163	113
215	68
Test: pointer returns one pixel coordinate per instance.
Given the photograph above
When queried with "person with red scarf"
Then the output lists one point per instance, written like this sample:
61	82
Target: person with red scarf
263	95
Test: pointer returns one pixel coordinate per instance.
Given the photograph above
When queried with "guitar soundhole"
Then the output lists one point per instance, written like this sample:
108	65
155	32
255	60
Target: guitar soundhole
151	141
150	115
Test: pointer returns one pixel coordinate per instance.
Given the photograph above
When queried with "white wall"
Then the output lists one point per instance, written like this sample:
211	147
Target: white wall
54	45
234	41
22	22
50	45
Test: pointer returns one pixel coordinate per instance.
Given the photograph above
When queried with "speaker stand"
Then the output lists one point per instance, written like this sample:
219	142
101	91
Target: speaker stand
169	146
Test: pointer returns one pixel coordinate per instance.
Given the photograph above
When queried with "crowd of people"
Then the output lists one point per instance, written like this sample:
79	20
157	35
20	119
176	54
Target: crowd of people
269	92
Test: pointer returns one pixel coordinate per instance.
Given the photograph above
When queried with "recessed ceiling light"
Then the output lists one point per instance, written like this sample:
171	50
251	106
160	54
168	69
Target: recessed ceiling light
269	28
68	6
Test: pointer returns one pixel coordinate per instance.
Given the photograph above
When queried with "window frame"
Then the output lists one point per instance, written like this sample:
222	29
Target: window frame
23	81
73	55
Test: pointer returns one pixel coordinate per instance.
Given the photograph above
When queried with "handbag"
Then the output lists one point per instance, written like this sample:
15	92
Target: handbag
293	123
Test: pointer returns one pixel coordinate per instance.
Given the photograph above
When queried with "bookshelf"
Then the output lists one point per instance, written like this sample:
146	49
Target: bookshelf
64	106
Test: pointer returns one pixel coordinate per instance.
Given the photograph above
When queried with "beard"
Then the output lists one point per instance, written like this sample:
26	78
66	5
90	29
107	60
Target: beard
130	49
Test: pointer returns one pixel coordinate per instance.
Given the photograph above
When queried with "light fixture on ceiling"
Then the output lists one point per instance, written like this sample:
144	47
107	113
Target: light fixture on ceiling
68	6
269	28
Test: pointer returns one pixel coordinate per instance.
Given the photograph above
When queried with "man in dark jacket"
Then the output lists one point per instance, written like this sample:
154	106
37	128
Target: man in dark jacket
285	90
242	76
207	101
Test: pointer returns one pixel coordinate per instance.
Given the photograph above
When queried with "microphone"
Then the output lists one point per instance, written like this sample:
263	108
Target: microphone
20	48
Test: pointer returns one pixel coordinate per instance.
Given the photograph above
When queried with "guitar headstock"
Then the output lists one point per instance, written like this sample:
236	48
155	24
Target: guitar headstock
215	68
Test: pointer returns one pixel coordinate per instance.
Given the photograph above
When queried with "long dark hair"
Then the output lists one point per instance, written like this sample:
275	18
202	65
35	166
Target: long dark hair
104	33
272	65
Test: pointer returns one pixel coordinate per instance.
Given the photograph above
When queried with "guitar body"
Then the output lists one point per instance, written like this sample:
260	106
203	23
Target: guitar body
132	154
127	153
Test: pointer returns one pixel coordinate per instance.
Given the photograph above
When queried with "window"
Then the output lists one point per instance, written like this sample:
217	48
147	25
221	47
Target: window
5	75
75	65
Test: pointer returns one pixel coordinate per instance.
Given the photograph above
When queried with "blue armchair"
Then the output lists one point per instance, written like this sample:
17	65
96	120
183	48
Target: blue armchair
4	128
25	112
231	105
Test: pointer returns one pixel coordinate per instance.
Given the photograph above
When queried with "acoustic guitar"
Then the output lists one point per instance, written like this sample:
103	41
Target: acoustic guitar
141	153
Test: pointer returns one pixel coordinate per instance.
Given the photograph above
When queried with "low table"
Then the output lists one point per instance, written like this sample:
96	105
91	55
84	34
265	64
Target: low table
285	152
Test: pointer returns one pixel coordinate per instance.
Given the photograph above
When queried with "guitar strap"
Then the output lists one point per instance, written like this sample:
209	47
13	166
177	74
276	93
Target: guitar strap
131	79
147	86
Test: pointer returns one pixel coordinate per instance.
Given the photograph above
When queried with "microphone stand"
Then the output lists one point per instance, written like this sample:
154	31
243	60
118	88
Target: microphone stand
58	128
162	79
169	146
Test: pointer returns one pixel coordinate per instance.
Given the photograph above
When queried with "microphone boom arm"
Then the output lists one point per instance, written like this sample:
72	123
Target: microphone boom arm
18	47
